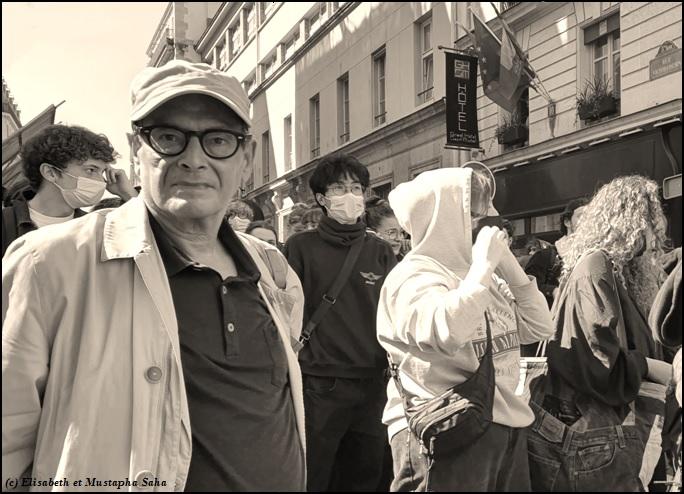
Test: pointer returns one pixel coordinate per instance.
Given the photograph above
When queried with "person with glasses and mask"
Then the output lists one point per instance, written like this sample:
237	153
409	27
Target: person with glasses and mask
68	168
342	363
159	354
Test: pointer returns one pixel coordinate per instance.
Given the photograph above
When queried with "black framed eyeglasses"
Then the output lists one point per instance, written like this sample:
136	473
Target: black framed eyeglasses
170	141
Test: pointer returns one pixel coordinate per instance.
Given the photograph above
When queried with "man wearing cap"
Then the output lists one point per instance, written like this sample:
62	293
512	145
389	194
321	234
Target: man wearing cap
158	357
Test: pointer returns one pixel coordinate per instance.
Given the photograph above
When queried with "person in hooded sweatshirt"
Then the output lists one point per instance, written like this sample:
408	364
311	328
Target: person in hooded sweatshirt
431	320
343	365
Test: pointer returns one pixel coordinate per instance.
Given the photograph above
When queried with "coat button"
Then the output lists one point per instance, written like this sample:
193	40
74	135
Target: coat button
224	290
230	327
153	374
146	476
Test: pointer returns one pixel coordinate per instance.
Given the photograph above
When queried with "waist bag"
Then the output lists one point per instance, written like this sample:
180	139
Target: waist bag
459	416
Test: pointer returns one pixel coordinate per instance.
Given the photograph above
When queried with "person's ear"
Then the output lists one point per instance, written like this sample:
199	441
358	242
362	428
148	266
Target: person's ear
48	172
320	199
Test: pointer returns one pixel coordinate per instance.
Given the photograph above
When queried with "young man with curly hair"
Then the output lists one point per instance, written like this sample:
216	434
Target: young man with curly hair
68	167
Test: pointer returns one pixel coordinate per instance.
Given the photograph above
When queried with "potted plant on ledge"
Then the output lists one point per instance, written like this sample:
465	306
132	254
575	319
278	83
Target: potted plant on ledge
596	100
512	130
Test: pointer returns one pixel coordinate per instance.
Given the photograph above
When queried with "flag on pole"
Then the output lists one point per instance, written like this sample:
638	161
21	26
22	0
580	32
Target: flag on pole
518	49
501	66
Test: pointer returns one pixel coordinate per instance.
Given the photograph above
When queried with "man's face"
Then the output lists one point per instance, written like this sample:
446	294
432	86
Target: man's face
344	185
192	185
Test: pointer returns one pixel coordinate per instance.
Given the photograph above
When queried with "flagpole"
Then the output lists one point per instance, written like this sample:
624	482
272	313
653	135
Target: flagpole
530	76
536	77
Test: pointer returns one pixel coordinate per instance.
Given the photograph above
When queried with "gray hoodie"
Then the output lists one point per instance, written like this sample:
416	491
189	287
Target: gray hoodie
431	320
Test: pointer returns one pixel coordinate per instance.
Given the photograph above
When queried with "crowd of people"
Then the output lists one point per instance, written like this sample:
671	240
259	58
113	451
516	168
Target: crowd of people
167	340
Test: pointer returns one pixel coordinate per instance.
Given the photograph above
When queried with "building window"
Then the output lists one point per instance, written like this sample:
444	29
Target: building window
518	227
379	87
265	157
249	83
602	39
427	66
268	67
546	223
315	125
267	8
235	40
221	59
382	190
249	184
251	22
317	18
343	108
517	135
290	46
287	138
606	61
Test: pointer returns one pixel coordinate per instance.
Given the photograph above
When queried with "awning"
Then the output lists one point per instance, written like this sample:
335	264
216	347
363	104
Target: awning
548	185
12	176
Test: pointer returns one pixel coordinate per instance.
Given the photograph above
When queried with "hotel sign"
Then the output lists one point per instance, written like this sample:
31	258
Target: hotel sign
667	61
461	101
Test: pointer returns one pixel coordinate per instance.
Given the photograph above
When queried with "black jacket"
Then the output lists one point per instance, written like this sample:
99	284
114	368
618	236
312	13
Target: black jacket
345	343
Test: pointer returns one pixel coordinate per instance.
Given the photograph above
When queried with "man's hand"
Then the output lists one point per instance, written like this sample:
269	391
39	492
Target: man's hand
118	184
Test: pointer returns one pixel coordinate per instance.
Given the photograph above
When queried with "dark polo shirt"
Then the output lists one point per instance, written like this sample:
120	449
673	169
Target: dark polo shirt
244	431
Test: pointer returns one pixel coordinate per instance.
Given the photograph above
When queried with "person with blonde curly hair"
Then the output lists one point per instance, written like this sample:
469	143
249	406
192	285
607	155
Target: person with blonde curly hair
602	350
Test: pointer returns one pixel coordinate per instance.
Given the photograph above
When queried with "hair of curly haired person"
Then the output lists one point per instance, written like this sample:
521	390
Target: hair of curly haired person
59	145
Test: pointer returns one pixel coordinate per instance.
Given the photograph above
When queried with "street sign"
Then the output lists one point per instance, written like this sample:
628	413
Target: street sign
667	61
672	187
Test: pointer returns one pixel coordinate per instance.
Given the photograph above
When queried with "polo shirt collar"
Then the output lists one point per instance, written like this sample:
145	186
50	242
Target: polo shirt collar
176	261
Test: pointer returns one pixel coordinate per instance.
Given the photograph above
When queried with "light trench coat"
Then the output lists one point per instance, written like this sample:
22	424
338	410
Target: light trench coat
92	381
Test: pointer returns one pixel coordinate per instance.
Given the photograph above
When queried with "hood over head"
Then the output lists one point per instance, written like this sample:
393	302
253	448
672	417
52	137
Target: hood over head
434	208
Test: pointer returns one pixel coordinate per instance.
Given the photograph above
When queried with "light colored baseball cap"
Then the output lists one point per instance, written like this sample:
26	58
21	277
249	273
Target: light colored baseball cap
154	86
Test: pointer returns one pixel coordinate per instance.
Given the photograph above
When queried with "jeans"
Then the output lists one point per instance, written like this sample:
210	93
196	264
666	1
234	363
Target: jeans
596	460
344	433
496	462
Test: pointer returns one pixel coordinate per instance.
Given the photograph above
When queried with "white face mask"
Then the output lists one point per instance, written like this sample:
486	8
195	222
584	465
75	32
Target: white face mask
88	191
345	209
239	224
